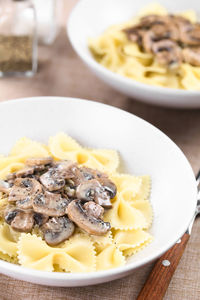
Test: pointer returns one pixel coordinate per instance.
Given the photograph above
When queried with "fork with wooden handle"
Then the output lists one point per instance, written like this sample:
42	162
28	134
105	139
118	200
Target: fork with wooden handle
158	281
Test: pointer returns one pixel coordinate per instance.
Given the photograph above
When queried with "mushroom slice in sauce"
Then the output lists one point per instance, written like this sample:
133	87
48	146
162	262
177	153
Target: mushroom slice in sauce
52	181
25	172
168	53
57	230
4	187
192	56
40	219
39	161
10	213
85	221
50	204
24	191
23	221
66	169
109	186
92	190
191	36
93	209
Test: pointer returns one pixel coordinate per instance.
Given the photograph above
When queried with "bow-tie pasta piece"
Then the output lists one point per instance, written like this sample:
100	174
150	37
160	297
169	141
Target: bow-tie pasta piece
34	253
110	257
191	77
145	188
133	188
125	181
124	216
108	159
8	258
131	241
8	245
100	242
63	146
84	158
82	254
145	208
25	148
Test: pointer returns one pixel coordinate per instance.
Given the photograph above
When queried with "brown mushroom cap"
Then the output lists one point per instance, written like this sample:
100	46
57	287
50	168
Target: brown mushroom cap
24	191
94	209
108	186
88	223
52	181
50	204
92	190
10	213
23	221
168	53
192	56
39	161
40	219
25	172
57	230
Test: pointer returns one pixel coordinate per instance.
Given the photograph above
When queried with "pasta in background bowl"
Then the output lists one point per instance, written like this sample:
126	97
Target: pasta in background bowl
121	63
143	149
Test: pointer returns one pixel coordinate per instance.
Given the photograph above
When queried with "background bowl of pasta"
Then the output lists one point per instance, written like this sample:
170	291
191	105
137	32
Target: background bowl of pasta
150	171
95	29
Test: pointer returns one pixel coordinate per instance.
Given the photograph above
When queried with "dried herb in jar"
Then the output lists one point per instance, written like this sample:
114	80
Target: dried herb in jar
15	53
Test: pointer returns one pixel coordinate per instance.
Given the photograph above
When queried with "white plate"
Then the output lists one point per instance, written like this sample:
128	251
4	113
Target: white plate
90	18
144	150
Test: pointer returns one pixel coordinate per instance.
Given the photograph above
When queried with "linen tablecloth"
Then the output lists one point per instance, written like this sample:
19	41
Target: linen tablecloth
61	73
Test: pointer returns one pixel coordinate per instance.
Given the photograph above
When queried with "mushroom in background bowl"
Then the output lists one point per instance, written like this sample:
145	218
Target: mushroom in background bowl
90	18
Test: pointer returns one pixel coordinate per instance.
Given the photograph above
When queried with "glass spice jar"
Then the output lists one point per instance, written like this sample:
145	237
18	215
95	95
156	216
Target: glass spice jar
18	38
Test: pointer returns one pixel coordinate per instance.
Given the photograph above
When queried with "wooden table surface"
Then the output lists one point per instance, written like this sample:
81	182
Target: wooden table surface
61	73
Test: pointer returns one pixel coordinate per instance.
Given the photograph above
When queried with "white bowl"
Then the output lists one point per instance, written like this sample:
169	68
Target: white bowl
144	150
90	18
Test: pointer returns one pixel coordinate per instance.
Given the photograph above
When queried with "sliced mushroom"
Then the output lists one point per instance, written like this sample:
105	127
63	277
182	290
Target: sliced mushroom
108	186
93	209
40	219
4	187
24	191
192	56
23	221
52	181
10	213
57	230
92	190
135	34
88	223
39	161
150	20
66	169
168	53
50	204
25	172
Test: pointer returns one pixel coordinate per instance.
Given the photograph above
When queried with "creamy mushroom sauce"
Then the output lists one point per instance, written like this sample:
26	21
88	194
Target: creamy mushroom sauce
57	196
172	39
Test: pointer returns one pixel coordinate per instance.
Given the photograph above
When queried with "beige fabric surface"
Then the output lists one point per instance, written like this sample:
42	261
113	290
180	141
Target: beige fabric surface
61	73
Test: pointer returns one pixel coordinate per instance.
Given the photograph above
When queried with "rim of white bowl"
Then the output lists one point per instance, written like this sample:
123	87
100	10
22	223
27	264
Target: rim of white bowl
115	271
90	61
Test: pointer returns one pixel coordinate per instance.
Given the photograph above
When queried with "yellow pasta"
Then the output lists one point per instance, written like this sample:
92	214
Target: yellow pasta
110	257
113	50
130	241
69	257
125	216
130	215
8	245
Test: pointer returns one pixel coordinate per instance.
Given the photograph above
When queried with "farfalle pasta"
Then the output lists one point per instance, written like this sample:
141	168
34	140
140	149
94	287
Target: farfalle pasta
154	47
129	217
